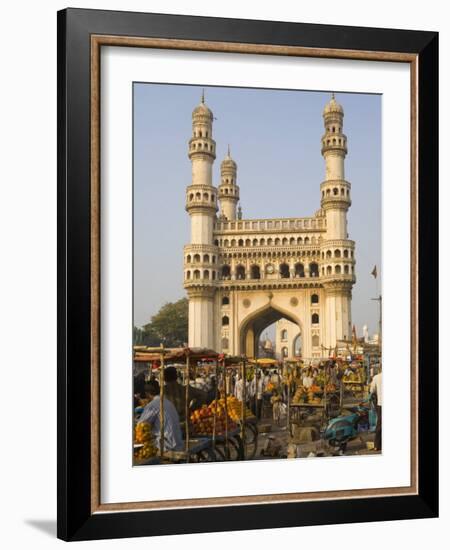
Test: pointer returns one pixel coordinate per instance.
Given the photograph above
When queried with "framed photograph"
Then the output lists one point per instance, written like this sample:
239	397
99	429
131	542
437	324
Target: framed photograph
248	304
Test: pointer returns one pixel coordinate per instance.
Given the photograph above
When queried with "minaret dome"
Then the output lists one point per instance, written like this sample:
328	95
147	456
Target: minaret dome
228	188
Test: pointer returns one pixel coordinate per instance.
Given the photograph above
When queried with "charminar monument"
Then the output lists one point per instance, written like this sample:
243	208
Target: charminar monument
241	275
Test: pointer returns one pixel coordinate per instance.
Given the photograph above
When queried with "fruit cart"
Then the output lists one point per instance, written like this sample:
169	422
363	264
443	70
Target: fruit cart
210	432
246	440
157	358
324	402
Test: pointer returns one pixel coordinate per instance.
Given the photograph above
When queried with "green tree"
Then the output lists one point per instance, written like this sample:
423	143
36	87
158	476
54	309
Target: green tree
169	326
143	337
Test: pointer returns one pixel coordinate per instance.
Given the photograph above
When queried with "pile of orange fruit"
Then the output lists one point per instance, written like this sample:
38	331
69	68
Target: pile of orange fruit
202	420
234	407
143	435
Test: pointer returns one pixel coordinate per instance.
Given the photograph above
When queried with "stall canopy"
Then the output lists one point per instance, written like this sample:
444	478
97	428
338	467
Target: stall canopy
153	355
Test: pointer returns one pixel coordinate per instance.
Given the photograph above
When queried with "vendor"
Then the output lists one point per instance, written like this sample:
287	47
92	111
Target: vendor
151	414
176	392
308	379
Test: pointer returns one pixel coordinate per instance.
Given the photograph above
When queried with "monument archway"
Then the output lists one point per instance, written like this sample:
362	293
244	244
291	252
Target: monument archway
253	326
297	345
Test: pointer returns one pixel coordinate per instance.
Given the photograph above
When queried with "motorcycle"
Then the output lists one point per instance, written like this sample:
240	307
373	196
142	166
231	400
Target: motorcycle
342	429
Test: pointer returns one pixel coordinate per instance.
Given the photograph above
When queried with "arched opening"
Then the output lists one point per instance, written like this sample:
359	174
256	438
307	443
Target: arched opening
337	253
255	272
314	298
188	274
337	270
315	318
225	301
206	258
313	269
241	242
329	269
345	253
315	341
284	271
225	343
225	321
206	274
299	270
346	269
284	352
284	334
225	272
261	326
197	274
196	258
297	346
240	272
188	259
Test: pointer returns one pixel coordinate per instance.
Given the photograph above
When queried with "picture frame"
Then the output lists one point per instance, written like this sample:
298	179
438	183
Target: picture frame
81	35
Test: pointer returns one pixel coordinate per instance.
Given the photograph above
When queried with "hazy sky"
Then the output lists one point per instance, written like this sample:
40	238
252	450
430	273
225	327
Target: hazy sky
275	139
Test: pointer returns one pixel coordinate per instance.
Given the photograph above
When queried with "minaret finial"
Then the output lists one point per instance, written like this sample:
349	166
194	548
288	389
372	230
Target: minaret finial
332	95
229	150
203	95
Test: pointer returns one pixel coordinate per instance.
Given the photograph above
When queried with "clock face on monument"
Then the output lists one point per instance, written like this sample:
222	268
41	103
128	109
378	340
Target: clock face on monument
269	269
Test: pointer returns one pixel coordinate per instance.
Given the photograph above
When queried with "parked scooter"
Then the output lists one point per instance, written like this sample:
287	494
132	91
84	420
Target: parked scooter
344	428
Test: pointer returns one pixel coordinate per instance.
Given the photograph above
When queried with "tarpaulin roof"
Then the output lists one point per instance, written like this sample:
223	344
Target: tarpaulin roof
153	355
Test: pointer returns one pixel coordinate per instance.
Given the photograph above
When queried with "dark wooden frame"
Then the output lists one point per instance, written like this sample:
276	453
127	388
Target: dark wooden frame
81	33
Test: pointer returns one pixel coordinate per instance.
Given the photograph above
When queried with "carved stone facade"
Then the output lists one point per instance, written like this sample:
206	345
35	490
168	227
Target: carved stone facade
241	275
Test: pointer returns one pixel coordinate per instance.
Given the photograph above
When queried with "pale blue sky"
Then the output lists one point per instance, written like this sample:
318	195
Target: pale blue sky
275	139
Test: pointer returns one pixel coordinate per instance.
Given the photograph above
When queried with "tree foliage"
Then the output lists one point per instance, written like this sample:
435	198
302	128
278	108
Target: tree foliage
169	326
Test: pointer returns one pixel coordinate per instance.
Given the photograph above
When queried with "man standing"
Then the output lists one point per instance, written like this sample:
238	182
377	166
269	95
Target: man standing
151	414
176	392
376	389
256	391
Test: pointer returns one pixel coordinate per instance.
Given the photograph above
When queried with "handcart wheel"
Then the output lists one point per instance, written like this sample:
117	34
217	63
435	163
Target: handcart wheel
251	440
205	455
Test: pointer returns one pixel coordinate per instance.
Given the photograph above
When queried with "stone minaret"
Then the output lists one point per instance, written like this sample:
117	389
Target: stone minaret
200	256
337	252
228	189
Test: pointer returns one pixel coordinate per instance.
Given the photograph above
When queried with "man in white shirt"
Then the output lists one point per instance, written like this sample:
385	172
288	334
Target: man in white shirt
239	388
172	431
376	388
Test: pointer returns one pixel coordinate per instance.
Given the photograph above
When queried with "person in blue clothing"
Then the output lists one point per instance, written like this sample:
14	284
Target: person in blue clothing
172	431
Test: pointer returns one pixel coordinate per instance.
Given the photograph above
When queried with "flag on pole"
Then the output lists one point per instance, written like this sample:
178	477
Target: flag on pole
374	271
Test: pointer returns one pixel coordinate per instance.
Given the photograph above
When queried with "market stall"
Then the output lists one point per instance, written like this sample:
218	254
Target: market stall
222	429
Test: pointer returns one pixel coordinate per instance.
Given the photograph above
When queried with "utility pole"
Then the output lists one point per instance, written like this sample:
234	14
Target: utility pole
380	318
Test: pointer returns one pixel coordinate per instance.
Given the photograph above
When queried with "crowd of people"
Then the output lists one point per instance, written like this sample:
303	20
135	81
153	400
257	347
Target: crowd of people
262	389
